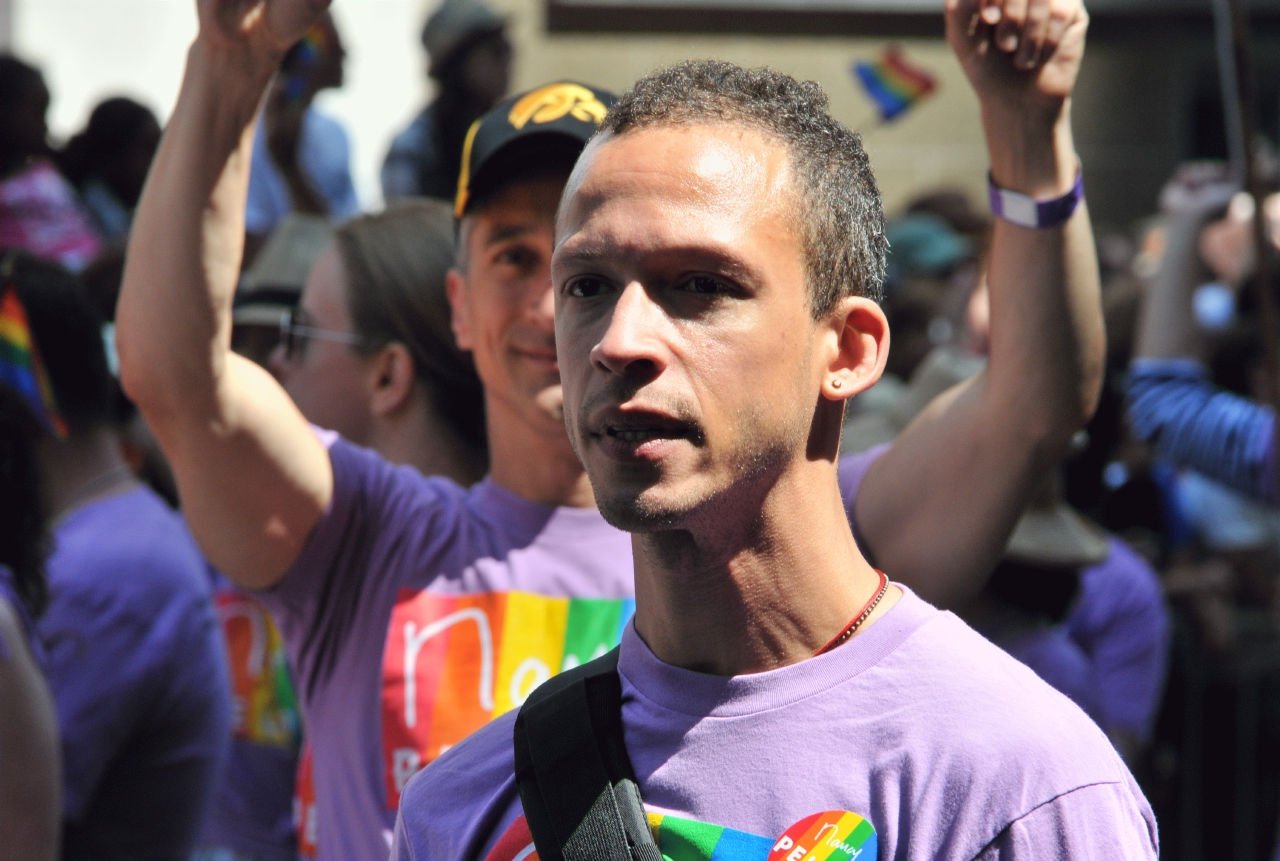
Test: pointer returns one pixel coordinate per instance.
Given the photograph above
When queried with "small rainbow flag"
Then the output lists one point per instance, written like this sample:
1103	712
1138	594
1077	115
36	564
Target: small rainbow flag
892	83
20	364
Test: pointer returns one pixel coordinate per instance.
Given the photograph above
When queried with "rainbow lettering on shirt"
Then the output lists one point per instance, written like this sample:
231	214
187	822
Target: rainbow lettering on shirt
264	708
452	663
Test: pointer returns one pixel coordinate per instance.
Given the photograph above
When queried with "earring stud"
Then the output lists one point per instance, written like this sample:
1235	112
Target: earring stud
835	384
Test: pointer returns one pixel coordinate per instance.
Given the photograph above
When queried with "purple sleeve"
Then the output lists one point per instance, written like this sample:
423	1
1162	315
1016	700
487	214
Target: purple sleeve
1121	623
383	524
1231	439
1101	820
852	469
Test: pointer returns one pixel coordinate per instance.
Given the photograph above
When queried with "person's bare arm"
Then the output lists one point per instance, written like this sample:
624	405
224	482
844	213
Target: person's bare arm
30	766
938	507
1167	327
253	478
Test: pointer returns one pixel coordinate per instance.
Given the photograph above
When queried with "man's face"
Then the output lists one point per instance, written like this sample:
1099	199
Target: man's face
686	342
502	304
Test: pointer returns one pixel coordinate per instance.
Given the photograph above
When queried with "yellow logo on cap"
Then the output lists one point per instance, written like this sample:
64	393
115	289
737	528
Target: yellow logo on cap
550	103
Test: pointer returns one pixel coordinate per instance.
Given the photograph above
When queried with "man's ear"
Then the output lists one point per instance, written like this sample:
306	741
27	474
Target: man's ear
459	319
392	379
858	347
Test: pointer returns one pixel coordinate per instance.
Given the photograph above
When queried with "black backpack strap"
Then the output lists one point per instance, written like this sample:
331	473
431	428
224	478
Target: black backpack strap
579	792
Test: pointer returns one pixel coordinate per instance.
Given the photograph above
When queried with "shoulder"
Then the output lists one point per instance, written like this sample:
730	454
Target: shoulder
363	479
320	123
1006	727
457	805
416	136
134	532
1124	569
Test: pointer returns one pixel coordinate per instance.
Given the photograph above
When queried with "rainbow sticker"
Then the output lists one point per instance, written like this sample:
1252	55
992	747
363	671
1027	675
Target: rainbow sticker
835	835
452	663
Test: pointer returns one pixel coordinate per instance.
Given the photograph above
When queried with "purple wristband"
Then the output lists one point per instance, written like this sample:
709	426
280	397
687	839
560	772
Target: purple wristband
1026	211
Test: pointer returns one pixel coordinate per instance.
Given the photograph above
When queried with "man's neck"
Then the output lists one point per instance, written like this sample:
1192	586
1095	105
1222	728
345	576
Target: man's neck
729	601
84	468
534	459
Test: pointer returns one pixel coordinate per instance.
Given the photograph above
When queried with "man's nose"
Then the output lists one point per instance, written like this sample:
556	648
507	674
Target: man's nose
632	344
543	308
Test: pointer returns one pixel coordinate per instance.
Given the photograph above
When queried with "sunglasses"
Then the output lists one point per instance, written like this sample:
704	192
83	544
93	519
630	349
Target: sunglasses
295	334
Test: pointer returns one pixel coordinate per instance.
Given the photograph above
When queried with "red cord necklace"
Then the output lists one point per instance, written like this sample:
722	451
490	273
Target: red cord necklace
858	619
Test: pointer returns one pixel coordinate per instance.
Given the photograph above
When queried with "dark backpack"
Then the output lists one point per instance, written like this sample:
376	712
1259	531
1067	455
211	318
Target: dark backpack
579	791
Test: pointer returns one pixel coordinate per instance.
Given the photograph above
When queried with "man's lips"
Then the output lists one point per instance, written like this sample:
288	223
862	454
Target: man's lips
638	430
545	357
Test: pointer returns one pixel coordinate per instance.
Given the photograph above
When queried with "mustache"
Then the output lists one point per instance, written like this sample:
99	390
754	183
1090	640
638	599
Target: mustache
618	392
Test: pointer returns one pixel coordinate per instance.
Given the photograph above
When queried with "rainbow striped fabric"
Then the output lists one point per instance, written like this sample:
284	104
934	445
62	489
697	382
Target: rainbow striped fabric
892	83
20	365
689	840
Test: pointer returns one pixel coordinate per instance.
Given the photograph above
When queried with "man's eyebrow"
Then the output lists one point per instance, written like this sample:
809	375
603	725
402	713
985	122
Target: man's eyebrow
509	232
699	256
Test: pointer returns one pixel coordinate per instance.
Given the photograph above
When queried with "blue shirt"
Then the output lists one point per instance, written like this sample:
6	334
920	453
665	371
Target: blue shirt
139	681
324	154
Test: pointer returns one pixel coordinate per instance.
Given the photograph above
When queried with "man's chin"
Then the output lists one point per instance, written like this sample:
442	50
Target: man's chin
638	510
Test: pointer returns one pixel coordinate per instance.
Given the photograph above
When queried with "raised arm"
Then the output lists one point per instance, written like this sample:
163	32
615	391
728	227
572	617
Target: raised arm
252	477
1172	402
938	507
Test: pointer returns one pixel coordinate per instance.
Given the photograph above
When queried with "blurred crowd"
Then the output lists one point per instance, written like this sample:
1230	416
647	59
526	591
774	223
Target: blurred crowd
1140	581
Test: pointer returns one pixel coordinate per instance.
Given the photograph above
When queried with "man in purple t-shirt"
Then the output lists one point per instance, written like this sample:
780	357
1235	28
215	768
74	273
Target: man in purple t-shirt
416	610
777	691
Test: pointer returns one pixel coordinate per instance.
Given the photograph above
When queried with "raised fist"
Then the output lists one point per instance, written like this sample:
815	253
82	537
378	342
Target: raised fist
262	27
1023	55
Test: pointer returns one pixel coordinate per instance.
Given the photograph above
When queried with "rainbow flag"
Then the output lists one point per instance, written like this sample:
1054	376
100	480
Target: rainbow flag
20	364
892	83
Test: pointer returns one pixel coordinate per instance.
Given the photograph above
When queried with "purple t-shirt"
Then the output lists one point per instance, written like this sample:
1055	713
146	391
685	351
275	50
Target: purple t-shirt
926	732
419	611
136	668
1054	657
252	812
1121	623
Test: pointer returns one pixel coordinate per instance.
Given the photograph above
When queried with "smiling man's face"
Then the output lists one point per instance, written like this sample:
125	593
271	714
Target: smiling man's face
685	339
502	305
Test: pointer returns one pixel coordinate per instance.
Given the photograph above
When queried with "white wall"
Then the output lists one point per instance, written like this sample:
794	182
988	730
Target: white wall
92	49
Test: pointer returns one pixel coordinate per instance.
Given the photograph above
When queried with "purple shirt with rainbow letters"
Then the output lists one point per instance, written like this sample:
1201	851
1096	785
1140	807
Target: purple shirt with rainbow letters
418	612
918	739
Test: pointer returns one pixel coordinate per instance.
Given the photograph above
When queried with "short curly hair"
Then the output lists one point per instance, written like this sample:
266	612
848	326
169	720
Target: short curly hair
842	224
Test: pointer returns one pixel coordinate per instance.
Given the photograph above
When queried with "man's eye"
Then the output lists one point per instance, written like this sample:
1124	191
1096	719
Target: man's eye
703	285
586	288
519	257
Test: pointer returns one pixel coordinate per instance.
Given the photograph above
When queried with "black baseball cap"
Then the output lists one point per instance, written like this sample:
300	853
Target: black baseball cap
543	128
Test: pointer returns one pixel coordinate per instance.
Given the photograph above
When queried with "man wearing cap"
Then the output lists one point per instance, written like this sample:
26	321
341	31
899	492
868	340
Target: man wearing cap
470	61
416	610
